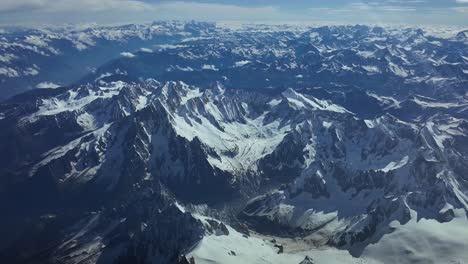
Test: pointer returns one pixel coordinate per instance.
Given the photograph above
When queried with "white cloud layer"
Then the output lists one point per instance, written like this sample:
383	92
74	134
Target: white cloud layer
112	11
125	11
72	5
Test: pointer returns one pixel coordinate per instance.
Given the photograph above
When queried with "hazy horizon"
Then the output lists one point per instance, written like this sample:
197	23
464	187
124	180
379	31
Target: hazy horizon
413	12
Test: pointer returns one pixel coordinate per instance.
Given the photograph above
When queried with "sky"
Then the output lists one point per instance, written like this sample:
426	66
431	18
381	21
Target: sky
427	12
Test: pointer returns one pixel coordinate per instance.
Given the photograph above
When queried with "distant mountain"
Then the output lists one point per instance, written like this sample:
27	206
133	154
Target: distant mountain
253	145
51	57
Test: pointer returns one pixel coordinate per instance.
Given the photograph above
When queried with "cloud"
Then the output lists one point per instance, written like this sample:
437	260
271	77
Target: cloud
214	11
461	9
16	5
382	7
407	1
36	12
72	5
373	7
123	11
392	11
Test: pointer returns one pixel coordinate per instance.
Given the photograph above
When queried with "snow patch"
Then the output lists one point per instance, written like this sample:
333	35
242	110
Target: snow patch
127	55
146	50
423	241
241	63
395	165
47	85
209	67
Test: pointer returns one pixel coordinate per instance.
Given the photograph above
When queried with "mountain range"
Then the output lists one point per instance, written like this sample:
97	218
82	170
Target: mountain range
190	142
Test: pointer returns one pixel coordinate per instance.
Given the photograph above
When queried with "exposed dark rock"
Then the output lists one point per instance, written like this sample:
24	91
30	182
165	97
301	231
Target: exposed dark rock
280	247
307	260
217	228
